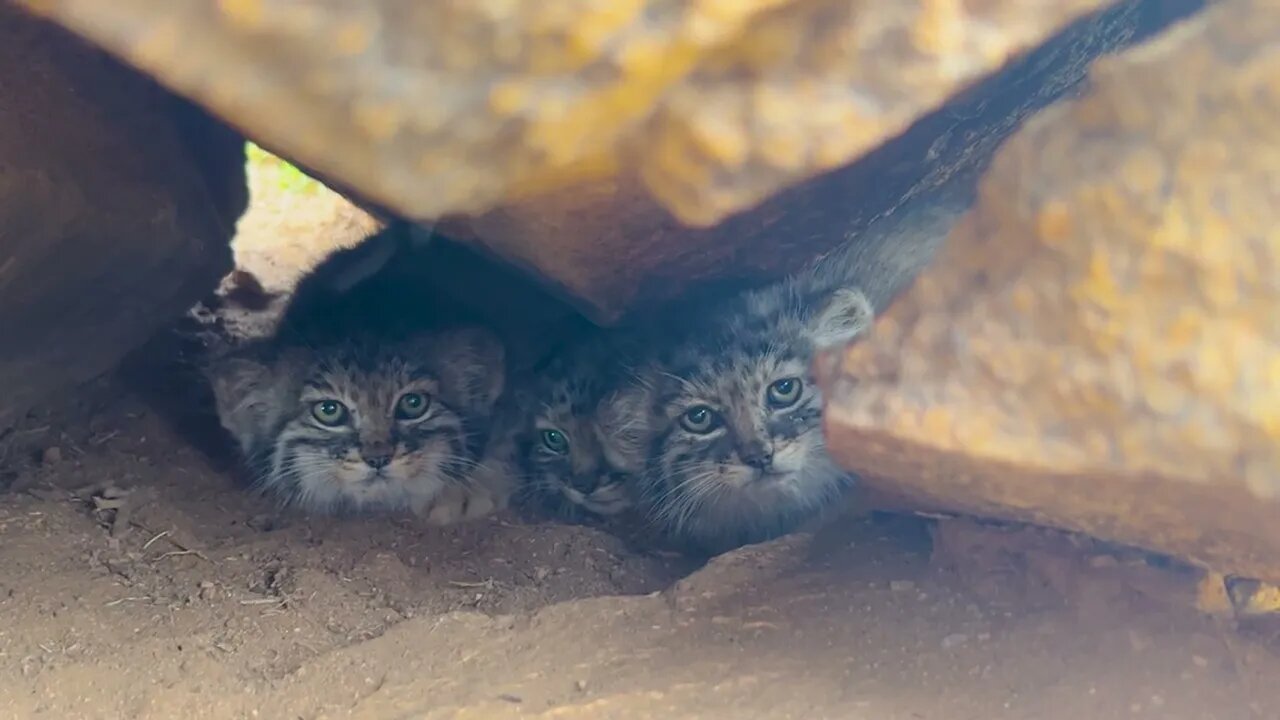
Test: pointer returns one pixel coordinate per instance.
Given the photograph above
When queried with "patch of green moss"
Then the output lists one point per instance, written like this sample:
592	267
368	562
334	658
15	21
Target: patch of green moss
288	178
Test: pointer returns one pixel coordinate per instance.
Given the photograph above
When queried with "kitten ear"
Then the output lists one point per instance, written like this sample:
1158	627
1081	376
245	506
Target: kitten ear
473	361
846	315
248	393
624	427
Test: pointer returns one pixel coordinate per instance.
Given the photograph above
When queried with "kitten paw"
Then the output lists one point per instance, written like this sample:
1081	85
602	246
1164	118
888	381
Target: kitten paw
457	504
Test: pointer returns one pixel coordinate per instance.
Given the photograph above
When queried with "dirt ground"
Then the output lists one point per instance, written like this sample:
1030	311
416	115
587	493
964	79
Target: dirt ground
139	581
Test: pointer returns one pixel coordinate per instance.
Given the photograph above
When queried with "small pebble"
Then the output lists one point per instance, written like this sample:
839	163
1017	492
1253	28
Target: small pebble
208	591
901	585
51	455
954	640
580	685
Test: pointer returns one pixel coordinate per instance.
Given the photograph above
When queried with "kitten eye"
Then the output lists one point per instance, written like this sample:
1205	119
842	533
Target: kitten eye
412	406
329	412
700	420
784	393
555	441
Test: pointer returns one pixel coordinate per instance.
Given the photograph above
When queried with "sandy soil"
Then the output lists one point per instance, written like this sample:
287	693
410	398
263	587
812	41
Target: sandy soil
139	581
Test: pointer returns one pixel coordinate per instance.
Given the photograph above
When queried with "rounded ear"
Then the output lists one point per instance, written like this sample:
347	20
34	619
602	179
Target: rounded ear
473	364
623	421
846	315
249	389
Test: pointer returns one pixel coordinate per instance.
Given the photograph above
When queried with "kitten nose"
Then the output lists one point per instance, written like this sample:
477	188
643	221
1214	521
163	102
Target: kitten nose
377	456
756	455
377	462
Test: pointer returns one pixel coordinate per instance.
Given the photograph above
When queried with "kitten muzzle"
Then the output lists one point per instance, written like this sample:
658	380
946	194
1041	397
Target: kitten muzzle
377	458
586	483
757	456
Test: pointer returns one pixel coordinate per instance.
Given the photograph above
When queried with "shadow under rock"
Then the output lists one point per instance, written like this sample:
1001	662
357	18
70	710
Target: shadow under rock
166	374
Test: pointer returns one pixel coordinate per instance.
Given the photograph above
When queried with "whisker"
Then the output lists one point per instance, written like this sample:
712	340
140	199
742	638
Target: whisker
677	494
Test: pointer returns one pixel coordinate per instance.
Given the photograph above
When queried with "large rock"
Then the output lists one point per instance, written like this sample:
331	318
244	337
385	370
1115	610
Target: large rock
454	105
117	202
1098	347
609	245
587	170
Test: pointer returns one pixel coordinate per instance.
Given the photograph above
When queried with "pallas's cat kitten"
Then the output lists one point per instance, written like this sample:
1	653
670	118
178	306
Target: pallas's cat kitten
576	452
361	402
735	451
366	424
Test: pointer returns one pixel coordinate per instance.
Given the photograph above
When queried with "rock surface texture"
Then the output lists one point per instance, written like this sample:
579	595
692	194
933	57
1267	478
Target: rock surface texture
580	142
1098	347
117	202
611	246
452	106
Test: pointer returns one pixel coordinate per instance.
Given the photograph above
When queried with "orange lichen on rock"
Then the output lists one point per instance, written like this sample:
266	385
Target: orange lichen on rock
1108	314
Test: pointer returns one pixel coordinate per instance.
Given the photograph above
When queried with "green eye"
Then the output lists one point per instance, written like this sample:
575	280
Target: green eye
329	412
785	392
412	406
555	441
700	420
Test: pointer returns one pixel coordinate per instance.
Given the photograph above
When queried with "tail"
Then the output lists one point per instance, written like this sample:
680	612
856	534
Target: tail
894	248
344	270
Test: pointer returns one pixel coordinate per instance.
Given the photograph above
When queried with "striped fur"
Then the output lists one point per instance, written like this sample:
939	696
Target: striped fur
376	458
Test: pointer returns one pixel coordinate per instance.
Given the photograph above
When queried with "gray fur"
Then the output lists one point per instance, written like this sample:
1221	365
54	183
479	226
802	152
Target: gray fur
888	255
761	468
571	397
374	460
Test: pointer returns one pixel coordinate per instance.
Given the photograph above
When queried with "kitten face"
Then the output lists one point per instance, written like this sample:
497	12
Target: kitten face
363	425
576	452
566	459
737	453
